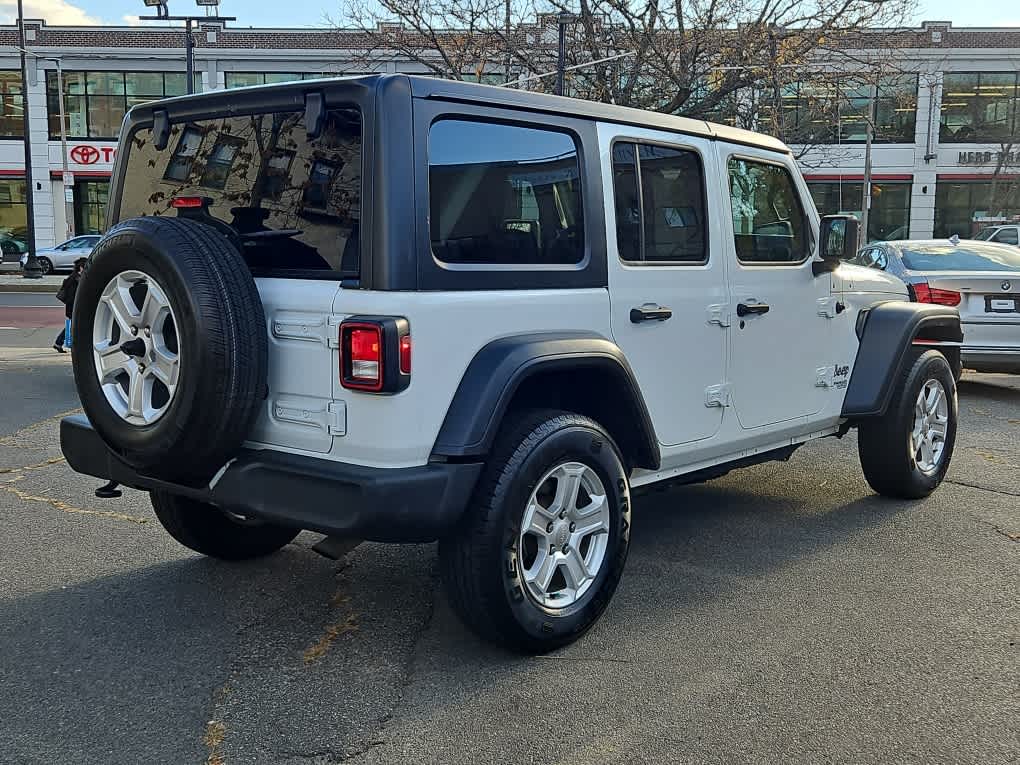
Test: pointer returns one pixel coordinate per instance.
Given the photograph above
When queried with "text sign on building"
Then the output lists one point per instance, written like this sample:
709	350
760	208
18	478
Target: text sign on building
989	157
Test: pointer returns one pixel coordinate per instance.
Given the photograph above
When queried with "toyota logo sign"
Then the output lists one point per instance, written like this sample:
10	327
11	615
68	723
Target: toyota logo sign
85	155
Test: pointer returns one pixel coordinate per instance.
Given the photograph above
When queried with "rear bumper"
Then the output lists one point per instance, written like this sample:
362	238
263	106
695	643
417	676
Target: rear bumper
991	359
417	504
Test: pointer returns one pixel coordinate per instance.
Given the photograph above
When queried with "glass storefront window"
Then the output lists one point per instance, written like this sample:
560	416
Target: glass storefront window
978	107
890	205
95	102
836	111
90	200
13	218
246	79
12	123
965	207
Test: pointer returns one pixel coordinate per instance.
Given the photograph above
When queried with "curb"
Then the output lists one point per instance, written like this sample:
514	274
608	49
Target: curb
29	287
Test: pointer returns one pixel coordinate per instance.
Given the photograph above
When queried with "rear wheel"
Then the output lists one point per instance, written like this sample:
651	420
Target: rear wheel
907	452
545	540
211	531
45	265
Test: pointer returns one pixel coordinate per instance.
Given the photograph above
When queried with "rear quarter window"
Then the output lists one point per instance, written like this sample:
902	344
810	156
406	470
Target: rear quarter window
294	203
502	194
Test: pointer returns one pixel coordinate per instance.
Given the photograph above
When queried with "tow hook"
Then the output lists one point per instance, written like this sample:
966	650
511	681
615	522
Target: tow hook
109	491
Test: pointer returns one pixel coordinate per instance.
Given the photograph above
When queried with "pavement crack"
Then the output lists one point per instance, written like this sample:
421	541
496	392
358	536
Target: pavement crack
347	623
215	732
34	466
18	437
64	507
983	488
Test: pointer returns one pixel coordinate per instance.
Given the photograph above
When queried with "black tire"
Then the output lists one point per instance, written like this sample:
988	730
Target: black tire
480	565
222	342
208	530
884	444
45	265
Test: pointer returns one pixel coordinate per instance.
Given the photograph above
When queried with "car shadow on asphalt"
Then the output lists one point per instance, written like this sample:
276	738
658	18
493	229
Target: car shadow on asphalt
141	651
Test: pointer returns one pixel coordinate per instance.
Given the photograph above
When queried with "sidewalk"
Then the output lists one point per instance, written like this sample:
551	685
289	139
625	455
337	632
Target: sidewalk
11	280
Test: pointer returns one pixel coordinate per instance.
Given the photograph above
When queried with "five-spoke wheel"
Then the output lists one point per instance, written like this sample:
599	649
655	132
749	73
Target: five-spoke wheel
135	347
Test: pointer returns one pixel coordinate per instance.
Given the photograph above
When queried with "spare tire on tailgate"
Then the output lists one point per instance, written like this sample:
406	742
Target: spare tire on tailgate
170	348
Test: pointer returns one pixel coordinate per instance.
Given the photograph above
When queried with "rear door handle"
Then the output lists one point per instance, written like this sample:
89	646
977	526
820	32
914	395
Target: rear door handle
650	312
746	309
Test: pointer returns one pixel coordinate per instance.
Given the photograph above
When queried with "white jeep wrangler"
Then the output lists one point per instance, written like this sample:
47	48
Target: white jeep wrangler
404	309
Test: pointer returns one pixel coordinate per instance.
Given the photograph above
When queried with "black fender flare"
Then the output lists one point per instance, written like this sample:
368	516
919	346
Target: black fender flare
887	332
498	370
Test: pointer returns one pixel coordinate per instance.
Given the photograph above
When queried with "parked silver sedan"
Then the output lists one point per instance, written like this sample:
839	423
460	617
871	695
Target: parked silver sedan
980	278
62	257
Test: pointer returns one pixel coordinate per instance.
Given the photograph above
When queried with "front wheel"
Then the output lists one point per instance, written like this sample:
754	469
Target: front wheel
544	543
906	453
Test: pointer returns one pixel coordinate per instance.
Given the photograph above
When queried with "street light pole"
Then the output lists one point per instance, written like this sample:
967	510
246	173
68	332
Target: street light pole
32	268
163	14
562	19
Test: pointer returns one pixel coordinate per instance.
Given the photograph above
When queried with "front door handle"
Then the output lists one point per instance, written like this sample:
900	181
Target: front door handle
746	309
650	312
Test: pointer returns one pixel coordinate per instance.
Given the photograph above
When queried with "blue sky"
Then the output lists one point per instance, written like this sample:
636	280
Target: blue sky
263	13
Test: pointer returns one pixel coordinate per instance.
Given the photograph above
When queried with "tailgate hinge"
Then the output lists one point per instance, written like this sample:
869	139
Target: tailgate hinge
336	418
719	313
333	331
717	395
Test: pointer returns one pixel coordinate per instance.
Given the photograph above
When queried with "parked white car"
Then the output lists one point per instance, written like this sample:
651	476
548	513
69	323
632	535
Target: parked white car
62	256
406	309
1004	234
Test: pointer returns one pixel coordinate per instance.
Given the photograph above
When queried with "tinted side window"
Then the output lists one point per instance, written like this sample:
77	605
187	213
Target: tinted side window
503	194
768	220
292	203
1007	236
660	204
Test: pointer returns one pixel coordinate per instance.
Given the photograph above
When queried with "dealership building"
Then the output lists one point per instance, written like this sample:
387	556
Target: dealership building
943	156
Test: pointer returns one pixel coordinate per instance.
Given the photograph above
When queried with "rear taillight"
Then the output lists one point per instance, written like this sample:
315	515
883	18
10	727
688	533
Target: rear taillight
189	203
375	354
923	293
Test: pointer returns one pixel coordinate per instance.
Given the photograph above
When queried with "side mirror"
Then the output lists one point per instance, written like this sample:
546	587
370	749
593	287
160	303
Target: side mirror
839	239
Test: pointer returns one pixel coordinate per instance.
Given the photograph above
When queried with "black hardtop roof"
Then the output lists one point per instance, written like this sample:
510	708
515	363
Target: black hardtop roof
466	92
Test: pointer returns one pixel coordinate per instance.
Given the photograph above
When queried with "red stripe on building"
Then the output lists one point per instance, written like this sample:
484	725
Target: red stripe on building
975	176
81	173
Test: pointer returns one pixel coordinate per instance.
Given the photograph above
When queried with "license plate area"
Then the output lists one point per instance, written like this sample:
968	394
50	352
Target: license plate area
1002	303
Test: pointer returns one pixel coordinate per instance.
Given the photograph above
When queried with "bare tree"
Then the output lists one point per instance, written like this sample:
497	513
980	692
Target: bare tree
691	57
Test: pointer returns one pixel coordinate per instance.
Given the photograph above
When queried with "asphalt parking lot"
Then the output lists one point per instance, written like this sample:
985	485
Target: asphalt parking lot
779	614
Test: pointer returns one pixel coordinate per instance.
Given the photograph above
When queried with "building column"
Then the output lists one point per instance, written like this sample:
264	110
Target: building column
42	193
922	194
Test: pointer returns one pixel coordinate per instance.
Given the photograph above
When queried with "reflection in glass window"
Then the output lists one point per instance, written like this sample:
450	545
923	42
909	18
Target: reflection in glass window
247	79
13	218
768	219
184	155
965	207
890	205
12	124
977	106
241	164
504	194
663	218
220	160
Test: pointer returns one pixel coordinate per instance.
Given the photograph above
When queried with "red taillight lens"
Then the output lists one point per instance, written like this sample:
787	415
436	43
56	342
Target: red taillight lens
361	357
926	294
186	203
405	355
375	354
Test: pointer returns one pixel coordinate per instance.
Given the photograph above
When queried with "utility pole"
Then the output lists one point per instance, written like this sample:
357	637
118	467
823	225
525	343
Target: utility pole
32	268
866	211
